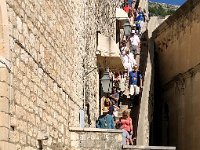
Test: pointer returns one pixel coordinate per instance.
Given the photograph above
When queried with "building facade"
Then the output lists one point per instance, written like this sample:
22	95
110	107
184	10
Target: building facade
46	49
177	79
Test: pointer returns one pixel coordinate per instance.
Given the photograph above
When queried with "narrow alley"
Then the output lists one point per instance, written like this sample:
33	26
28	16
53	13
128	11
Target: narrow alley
98	75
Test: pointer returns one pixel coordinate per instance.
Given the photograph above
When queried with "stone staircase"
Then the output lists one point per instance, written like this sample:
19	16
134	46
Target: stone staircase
140	147
131	105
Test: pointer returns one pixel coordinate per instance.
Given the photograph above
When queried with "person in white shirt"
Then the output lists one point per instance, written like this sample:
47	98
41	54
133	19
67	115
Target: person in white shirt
123	48
129	61
135	42
132	60
125	61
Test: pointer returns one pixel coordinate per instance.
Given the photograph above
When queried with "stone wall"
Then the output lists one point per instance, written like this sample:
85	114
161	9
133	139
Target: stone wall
99	17
4	78
147	98
98	139
51	46
177	52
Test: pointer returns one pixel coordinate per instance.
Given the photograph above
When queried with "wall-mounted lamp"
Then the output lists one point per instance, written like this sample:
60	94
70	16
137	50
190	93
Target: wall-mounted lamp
82	111
127	28
106	82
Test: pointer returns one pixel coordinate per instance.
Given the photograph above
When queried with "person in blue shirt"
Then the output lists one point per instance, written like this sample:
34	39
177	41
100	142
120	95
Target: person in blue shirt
135	81
114	97
106	120
140	19
130	2
140	16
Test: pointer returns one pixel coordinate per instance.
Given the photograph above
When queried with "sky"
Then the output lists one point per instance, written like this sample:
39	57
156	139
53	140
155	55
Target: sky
174	2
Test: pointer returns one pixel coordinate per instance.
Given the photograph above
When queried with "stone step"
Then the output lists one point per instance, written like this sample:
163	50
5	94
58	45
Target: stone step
123	107
138	147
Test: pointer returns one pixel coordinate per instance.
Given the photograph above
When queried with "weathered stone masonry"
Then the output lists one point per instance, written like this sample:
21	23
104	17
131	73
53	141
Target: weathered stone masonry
94	138
50	43
177	49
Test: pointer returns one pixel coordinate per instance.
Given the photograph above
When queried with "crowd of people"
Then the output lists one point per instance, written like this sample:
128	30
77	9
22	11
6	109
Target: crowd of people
127	83
137	17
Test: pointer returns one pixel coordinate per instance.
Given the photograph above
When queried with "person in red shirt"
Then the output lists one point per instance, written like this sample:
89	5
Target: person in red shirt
126	8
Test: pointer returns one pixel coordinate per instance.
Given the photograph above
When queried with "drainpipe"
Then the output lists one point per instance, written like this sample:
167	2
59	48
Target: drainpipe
82	111
84	93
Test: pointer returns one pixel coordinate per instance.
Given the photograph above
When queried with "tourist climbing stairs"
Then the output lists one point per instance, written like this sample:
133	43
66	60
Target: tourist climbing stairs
132	104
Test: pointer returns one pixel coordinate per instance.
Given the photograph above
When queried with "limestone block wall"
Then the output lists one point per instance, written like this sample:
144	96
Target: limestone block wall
98	139
51	46
178	59
46	71
175	39
99	17
147	98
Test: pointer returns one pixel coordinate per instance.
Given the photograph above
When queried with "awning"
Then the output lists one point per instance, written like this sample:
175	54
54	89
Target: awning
108	54
122	17
121	14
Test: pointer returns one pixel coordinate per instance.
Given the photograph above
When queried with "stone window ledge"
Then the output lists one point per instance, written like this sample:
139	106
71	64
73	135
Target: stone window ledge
77	129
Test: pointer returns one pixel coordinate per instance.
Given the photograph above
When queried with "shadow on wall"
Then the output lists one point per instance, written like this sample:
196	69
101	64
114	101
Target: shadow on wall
155	127
147	69
144	52
151	99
